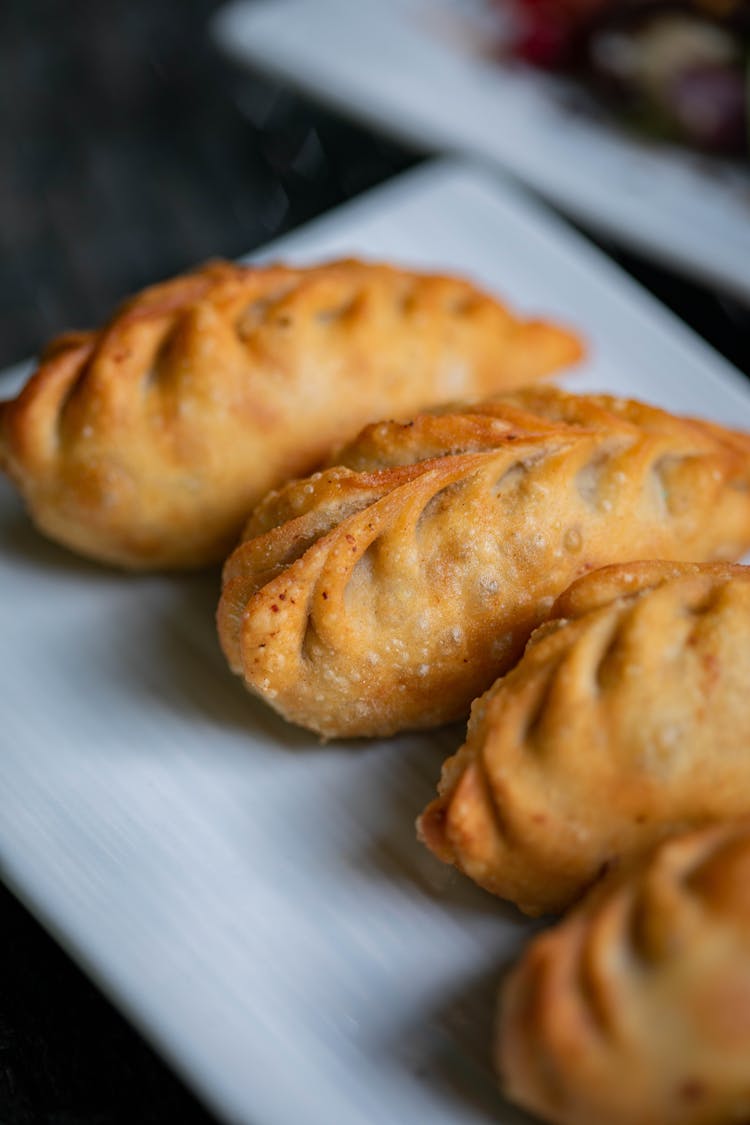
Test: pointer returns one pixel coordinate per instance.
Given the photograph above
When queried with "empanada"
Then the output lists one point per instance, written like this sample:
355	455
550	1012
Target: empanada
626	720
635	1010
146	444
365	602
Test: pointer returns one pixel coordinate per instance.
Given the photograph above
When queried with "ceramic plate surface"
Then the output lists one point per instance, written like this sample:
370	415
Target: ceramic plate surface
257	903
419	69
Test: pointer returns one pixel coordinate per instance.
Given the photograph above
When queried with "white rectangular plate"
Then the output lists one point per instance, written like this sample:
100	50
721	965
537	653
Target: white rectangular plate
256	902
414	68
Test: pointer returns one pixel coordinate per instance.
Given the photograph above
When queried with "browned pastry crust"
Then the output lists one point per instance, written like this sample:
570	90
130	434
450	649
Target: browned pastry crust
635	1010
387	592
146	444
626	720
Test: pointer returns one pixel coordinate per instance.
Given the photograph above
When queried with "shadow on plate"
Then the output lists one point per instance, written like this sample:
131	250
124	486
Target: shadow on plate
449	1048
399	780
187	671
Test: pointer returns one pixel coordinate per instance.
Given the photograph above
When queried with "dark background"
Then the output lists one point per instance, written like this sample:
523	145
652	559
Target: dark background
129	150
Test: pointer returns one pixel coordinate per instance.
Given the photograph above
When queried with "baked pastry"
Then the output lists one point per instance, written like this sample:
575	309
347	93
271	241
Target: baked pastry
145	444
627	719
388	591
635	1010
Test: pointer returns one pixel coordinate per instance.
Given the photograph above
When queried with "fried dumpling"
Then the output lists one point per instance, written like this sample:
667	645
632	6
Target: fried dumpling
635	1010
146	444
388	591
627	719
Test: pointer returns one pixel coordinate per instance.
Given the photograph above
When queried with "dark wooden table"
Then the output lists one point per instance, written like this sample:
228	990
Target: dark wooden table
129	150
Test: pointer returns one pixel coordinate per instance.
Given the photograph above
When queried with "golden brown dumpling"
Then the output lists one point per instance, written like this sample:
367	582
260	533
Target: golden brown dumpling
627	719
389	591
635	1010
146	444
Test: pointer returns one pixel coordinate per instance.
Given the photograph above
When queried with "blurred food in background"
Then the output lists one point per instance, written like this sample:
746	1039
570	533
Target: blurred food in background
674	70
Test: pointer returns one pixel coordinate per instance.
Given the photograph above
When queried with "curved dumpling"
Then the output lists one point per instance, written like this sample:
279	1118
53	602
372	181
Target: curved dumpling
635	1010
389	591
627	719
146	444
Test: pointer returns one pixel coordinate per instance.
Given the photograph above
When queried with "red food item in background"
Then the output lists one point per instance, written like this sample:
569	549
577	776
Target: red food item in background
659	64
544	36
547	32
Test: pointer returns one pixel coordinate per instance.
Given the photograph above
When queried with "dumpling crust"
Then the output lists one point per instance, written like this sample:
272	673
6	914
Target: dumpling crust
635	1010
387	592
145	444
627	719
